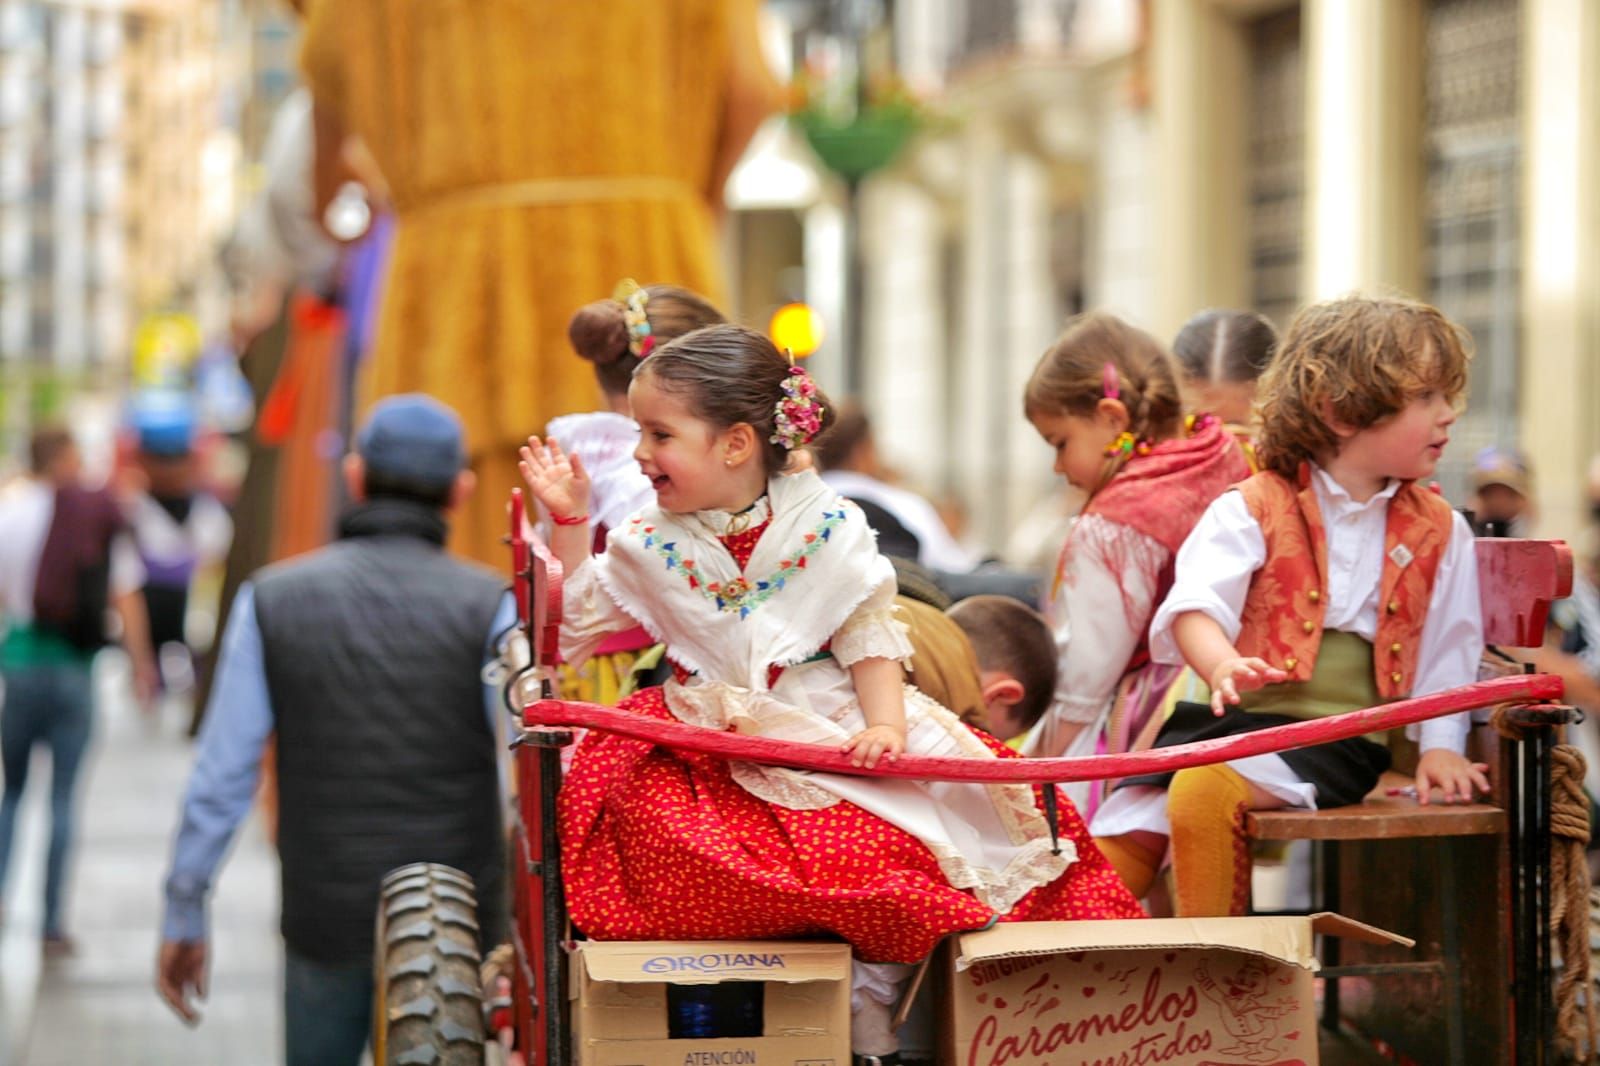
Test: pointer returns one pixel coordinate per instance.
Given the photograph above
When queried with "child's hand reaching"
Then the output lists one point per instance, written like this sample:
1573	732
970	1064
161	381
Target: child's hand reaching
1240	674
556	480
874	742
1452	774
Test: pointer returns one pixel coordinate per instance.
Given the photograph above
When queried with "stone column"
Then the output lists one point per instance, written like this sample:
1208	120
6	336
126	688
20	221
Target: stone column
1364	156
1560	388
1199	76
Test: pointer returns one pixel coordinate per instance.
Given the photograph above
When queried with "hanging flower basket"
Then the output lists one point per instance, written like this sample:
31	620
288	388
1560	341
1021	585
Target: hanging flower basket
866	142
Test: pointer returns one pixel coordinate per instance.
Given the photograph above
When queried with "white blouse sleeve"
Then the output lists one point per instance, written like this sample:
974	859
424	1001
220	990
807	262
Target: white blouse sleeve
1452	639
589	614
1107	593
872	631
1212	574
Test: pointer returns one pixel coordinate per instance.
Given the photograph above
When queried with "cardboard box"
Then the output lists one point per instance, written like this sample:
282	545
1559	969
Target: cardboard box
620	1011
1171	991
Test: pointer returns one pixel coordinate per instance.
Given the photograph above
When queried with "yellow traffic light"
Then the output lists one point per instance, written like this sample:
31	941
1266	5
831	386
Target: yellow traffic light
798	328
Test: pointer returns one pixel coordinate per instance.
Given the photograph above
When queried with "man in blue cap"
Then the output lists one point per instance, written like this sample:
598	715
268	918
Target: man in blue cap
364	659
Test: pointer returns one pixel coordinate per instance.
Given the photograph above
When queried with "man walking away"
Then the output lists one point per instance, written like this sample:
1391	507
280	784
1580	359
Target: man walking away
364	657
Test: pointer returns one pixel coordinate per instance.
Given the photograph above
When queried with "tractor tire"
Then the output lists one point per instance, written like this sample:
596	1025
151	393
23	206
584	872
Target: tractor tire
428	1000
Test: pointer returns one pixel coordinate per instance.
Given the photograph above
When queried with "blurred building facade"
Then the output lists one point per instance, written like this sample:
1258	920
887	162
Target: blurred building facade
1158	158
118	174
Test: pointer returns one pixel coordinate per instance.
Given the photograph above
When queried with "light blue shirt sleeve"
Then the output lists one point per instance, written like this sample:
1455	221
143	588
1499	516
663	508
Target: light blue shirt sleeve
222	785
500	725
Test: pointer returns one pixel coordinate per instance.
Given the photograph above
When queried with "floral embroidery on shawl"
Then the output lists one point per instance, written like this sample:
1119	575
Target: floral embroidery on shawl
738	595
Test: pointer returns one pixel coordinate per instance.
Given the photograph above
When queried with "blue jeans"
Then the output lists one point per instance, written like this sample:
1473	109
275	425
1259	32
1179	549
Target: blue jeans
52	704
327	1011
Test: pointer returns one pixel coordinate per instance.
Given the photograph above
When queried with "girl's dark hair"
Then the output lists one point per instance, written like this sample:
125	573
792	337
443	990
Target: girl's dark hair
1071	376
599	332
727	375
1229	347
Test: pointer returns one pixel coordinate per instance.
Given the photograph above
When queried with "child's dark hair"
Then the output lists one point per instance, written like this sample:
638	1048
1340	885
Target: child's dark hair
850	428
599	331
728	375
1013	638
1070	377
1358	359
1225	347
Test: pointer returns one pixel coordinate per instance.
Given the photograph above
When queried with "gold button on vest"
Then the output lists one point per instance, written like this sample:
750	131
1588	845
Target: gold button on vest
1395	647
1290	663
1308	626
1394	606
1314	595
1395	677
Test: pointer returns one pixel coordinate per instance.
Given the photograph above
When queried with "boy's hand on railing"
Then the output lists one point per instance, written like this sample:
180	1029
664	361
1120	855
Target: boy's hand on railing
1452	774
872	743
1243	674
555	479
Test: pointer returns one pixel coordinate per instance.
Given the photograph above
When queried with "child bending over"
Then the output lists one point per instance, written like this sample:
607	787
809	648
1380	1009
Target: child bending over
1016	660
1328	582
1105	398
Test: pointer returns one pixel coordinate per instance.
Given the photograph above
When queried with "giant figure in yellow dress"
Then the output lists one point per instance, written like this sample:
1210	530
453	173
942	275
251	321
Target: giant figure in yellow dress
534	153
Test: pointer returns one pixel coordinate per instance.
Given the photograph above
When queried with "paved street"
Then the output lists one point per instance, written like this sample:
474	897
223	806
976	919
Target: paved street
101	1006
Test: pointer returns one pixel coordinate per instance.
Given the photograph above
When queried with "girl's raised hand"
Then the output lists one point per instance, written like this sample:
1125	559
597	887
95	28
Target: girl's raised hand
873	743
1240	674
556	479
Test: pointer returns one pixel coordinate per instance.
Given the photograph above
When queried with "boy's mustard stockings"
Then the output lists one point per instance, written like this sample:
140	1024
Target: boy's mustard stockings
1210	855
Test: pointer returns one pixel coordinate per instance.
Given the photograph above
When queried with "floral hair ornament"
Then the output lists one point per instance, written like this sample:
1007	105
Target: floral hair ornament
797	418
633	298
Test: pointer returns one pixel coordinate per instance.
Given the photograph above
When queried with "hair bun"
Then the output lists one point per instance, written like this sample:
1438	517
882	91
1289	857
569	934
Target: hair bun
599	332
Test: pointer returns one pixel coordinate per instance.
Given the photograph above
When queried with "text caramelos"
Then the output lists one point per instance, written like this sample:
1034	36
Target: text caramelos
1155	1008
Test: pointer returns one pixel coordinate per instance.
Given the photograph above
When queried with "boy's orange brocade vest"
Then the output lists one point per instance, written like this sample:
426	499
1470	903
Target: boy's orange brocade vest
1283	612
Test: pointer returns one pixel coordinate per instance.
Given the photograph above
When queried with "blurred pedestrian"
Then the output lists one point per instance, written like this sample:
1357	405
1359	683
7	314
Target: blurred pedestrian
65	558
364	657
179	527
533	153
1501	483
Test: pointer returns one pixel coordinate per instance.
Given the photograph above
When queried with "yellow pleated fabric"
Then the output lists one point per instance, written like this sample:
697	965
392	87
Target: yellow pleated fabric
535	153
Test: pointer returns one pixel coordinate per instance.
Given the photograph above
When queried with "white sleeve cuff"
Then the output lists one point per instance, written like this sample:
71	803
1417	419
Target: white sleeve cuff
1447	732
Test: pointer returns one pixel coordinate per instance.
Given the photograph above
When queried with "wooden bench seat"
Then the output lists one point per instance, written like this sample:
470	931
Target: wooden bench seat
1380	816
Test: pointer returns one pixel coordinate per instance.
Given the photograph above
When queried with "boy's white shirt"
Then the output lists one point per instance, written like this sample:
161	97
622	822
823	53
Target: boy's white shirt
990	839
1226	548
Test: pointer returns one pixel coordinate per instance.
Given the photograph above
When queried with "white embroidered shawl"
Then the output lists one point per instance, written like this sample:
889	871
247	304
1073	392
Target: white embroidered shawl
813	566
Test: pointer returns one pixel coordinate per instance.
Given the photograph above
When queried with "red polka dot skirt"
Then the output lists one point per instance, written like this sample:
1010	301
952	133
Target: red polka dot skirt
660	845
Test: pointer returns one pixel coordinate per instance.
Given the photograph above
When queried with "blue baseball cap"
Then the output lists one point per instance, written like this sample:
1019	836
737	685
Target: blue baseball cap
164	421
413	439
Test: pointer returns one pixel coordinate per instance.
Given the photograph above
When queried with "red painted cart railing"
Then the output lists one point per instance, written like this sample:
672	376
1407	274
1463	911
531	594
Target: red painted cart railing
1520	579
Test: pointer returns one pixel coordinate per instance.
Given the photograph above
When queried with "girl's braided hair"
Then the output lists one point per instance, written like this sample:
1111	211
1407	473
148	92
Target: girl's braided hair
599	331
1071	378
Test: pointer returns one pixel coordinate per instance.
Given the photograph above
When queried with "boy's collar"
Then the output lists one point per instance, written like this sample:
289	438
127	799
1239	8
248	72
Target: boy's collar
1338	493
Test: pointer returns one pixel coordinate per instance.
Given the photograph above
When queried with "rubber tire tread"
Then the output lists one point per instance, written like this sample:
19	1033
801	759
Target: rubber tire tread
434	1012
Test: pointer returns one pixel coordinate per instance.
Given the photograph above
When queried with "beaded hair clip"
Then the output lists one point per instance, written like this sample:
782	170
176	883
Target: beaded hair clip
797	416
633	298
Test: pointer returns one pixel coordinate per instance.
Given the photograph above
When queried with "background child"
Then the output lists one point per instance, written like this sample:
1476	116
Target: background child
739	569
1221	354
1016	660
1105	397
614	335
1330	581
